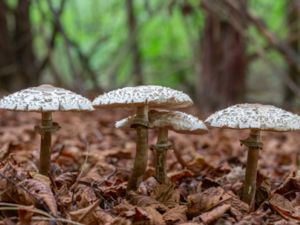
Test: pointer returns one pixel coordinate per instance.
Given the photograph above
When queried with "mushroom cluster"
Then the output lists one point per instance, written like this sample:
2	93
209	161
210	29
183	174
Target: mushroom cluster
163	121
146	100
142	98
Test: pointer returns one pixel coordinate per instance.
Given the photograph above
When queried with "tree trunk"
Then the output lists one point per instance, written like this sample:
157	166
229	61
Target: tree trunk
7	65
17	60
223	64
23	42
134	44
293	16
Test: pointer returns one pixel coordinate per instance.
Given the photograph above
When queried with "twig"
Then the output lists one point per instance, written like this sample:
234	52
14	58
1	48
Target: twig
51	41
290	55
83	58
48	217
92	207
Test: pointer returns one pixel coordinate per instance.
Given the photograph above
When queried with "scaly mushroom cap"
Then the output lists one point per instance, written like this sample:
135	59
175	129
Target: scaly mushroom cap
172	120
154	96
45	98
255	116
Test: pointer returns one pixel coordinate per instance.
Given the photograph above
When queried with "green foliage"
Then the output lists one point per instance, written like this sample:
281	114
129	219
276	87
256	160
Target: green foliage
168	38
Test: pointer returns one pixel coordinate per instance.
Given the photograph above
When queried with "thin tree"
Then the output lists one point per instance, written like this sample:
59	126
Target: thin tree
17	59
134	43
293	19
223	51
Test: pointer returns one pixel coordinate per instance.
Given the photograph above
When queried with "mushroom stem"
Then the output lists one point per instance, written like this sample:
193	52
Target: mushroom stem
141	156
254	145
45	153
160	155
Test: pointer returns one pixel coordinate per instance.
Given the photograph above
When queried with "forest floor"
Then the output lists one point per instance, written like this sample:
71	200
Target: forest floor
91	163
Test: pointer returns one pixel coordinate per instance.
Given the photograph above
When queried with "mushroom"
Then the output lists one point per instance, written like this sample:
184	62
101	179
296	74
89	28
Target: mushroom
163	121
45	99
141	98
256	117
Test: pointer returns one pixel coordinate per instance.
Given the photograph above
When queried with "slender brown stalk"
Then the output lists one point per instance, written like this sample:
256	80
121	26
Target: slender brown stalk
160	155
45	152
141	157
254	145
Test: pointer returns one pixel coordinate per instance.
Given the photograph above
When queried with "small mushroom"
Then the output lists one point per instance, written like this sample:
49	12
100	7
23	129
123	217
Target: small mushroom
142	98
255	117
163	121
45	99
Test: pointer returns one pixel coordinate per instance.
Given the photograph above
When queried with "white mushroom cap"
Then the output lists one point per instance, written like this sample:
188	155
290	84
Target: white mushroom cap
154	96
255	116
45	98
172	120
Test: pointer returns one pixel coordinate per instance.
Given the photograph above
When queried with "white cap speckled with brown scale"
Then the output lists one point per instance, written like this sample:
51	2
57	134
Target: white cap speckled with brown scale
179	122
153	95
255	116
142	98
45	98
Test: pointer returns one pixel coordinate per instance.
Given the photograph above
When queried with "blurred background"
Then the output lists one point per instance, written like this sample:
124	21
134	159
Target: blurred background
219	51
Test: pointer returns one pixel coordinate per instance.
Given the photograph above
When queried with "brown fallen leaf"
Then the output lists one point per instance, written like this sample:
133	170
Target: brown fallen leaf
200	165
260	217
155	217
167	195
214	214
92	214
292	182
80	214
178	175
201	202
39	193
64	197
67	178
191	223
25	214
120	221
4	151
144	200
84	196
175	215
138	215
148	186
238	207
284	207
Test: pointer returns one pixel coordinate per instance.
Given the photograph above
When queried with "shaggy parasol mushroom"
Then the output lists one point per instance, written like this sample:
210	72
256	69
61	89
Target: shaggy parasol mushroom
142	98
255	117
163	121
45	99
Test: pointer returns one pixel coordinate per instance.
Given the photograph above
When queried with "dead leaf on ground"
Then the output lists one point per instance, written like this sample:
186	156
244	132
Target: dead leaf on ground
214	214
39	193
137	215
284	207
144	200
92	214
176	215
167	194
67	178
177	176
148	186
201	202
25	214
155	217
201	166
